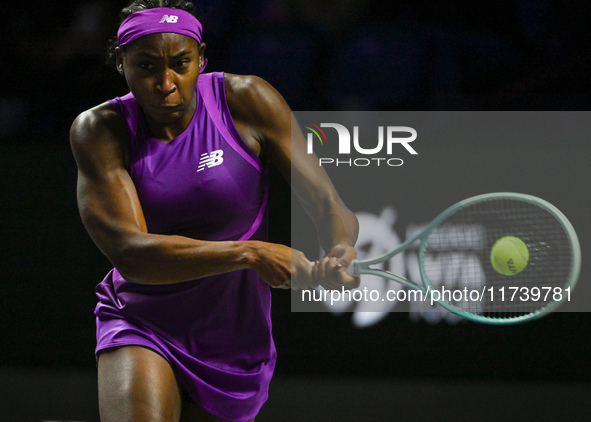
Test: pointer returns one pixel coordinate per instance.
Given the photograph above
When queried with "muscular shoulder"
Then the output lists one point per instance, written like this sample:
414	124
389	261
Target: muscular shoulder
99	120
99	132
253	100
260	113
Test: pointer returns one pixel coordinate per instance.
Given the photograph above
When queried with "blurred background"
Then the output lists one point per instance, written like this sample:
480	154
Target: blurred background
331	55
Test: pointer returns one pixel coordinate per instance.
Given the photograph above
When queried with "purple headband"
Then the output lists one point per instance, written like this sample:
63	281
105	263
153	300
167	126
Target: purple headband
161	19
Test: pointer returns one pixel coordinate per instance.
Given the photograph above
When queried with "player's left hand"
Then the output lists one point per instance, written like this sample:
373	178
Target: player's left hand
331	271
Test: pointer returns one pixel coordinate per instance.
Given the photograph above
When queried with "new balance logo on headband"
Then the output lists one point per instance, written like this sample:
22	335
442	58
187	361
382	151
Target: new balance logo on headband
210	160
169	19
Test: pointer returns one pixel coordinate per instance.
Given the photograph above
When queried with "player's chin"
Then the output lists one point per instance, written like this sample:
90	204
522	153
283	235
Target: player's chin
171	117
167	114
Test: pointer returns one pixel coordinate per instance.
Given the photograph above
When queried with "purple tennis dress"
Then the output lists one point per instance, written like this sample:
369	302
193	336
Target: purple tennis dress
215	332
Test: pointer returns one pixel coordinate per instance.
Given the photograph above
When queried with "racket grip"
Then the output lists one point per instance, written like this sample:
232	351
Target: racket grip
353	268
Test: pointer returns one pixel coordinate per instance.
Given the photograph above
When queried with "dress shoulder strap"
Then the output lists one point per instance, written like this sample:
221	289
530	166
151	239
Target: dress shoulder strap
206	85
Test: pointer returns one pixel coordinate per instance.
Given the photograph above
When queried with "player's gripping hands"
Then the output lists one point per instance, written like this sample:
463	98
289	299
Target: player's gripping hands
331	273
283	267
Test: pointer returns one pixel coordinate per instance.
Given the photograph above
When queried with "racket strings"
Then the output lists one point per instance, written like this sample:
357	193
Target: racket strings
456	258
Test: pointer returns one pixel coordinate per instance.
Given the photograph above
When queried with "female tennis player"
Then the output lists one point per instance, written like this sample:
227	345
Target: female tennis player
172	188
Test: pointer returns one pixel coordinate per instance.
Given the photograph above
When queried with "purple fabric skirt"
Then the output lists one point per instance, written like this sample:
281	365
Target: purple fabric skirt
215	332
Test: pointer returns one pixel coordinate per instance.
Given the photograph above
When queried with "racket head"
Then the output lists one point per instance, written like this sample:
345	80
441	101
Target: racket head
462	262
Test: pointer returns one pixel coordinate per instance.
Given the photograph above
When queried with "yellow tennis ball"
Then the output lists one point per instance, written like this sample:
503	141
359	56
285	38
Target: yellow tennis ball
509	255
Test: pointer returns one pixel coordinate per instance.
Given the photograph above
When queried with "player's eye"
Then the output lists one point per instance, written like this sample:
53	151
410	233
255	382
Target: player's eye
183	63
146	65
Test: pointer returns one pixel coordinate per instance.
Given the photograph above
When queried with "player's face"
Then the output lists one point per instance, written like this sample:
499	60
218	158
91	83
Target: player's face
161	71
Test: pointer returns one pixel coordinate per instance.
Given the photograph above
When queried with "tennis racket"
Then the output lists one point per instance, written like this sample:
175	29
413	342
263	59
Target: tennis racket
480	292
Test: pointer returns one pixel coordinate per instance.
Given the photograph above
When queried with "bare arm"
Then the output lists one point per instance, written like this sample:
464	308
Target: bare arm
263	117
112	214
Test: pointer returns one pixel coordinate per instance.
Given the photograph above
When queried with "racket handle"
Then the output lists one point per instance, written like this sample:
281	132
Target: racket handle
353	268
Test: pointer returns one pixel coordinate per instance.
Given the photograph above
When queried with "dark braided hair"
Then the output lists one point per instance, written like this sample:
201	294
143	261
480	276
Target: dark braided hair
138	5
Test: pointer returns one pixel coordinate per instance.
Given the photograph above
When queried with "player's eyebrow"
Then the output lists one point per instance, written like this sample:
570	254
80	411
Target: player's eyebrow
179	55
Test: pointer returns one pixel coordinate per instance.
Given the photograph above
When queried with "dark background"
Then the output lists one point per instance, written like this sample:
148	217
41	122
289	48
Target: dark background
348	55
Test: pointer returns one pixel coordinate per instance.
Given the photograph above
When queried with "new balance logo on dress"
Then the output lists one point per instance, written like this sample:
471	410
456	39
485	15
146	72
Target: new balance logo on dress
169	19
212	159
